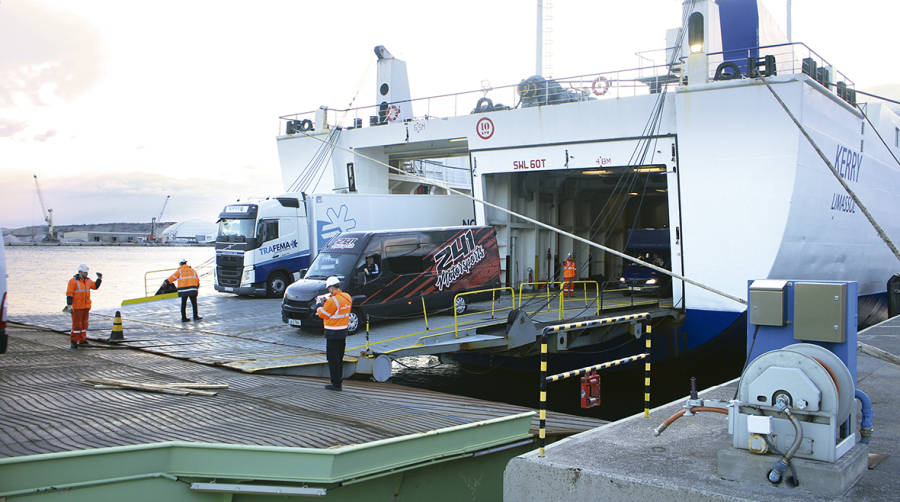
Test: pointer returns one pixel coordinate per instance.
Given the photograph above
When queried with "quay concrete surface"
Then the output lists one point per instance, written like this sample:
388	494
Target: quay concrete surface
623	461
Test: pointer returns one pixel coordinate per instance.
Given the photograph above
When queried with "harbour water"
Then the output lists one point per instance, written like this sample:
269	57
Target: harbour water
38	277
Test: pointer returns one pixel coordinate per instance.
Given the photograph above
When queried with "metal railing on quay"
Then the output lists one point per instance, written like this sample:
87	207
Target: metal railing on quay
204	271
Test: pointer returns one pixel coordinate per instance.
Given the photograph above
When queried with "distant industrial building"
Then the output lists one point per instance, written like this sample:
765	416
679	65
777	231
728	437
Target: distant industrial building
105	237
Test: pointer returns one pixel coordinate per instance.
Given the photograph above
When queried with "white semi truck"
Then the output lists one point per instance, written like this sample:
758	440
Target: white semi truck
263	246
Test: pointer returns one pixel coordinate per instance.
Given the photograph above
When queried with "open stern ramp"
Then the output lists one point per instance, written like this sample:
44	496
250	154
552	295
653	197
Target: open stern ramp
247	335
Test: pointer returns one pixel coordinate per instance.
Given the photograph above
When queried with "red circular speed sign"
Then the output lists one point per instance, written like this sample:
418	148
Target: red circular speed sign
484	128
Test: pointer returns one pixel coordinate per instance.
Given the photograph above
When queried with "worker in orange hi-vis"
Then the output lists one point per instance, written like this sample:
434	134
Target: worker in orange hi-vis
188	282
78	303
569	273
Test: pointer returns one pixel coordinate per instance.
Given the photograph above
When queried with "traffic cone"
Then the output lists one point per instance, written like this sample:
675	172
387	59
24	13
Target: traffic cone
117	335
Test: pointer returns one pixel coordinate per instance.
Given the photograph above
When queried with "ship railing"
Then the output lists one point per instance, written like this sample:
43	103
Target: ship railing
646	78
640	80
789	59
154	278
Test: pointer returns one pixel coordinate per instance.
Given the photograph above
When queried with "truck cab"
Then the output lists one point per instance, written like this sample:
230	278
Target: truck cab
260	246
652	246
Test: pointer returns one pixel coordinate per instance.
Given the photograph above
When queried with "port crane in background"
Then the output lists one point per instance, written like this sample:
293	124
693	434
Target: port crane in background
48	213
156	222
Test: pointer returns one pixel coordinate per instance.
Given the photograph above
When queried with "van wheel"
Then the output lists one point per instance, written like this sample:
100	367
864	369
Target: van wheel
276	285
353	322
461	305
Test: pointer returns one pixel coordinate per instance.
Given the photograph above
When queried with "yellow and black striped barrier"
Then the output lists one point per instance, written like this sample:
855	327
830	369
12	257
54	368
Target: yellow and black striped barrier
647	345
542	431
556	328
596	367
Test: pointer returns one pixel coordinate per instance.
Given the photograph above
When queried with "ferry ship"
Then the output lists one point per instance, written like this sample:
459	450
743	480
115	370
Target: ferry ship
696	143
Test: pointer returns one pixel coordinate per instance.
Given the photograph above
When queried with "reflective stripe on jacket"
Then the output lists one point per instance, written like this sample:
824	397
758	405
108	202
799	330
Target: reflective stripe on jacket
80	291
569	269
186	277
335	312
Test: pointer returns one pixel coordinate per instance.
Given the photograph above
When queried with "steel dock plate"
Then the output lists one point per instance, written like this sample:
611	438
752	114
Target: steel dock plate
45	408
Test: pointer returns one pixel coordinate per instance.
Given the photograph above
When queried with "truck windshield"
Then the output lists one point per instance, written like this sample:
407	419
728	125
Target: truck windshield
235	229
328	264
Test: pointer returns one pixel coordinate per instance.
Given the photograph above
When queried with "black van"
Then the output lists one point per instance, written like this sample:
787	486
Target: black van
388	272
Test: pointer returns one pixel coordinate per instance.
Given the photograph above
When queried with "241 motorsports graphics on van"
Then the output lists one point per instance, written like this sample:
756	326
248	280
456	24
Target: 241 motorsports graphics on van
387	272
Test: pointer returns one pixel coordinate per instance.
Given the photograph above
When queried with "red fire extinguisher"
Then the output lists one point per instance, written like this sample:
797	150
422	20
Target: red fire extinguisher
590	390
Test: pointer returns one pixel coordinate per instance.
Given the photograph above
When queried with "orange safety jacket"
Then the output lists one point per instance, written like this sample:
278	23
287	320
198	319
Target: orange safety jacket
78	292
187	279
335	312
569	270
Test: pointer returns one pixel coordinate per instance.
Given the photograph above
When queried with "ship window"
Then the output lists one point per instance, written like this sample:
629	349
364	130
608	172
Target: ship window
695	32
897	137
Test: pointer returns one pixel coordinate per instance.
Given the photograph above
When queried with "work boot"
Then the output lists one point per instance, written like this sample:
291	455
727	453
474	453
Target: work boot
185	319
73	345
198	318
332	387
83	342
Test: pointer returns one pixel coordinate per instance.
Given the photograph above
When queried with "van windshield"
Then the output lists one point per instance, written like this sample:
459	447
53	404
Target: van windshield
328	264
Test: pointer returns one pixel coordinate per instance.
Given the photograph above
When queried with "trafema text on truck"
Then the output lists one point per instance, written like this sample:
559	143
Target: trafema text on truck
262	246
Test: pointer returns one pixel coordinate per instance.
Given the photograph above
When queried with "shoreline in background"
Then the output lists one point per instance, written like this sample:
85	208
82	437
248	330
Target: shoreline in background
112	244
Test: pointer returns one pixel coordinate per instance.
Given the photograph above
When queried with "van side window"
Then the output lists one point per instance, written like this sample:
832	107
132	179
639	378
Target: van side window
402	255
266	230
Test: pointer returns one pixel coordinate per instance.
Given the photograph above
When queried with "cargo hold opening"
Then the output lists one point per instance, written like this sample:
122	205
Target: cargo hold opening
630	208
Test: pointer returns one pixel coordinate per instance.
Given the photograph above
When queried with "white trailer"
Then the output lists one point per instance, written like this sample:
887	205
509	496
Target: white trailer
262	246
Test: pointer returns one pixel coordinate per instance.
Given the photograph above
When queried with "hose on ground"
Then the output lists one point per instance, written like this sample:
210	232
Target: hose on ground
663	426
868	414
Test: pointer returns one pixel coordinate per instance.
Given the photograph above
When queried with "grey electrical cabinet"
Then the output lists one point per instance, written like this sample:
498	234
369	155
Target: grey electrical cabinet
767	302
820	311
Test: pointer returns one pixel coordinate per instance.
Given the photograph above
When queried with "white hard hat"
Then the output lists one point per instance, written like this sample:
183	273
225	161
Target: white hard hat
332	281
83	268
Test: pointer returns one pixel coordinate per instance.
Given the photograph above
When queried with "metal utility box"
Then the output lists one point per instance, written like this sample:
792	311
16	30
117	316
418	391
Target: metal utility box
820	312
767	302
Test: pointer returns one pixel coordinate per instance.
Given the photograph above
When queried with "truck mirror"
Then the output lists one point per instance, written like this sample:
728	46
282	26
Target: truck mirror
252	243
303	272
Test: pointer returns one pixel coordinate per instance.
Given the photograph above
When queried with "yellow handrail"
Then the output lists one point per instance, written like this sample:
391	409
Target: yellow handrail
478	291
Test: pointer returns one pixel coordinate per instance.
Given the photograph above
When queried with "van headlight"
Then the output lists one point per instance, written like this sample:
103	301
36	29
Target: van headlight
650	282
621	279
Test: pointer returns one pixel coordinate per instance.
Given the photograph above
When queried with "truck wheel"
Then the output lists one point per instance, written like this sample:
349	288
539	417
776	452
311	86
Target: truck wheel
461	305
276	285
353	322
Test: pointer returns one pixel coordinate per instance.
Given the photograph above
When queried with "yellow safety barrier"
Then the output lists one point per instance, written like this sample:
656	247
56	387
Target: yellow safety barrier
493	292
561	309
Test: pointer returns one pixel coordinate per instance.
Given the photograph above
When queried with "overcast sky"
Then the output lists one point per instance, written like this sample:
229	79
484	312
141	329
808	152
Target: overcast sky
116	103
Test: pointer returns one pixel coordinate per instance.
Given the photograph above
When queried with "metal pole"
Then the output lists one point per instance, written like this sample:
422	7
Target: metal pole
647	344
542	433
424	313
539	61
